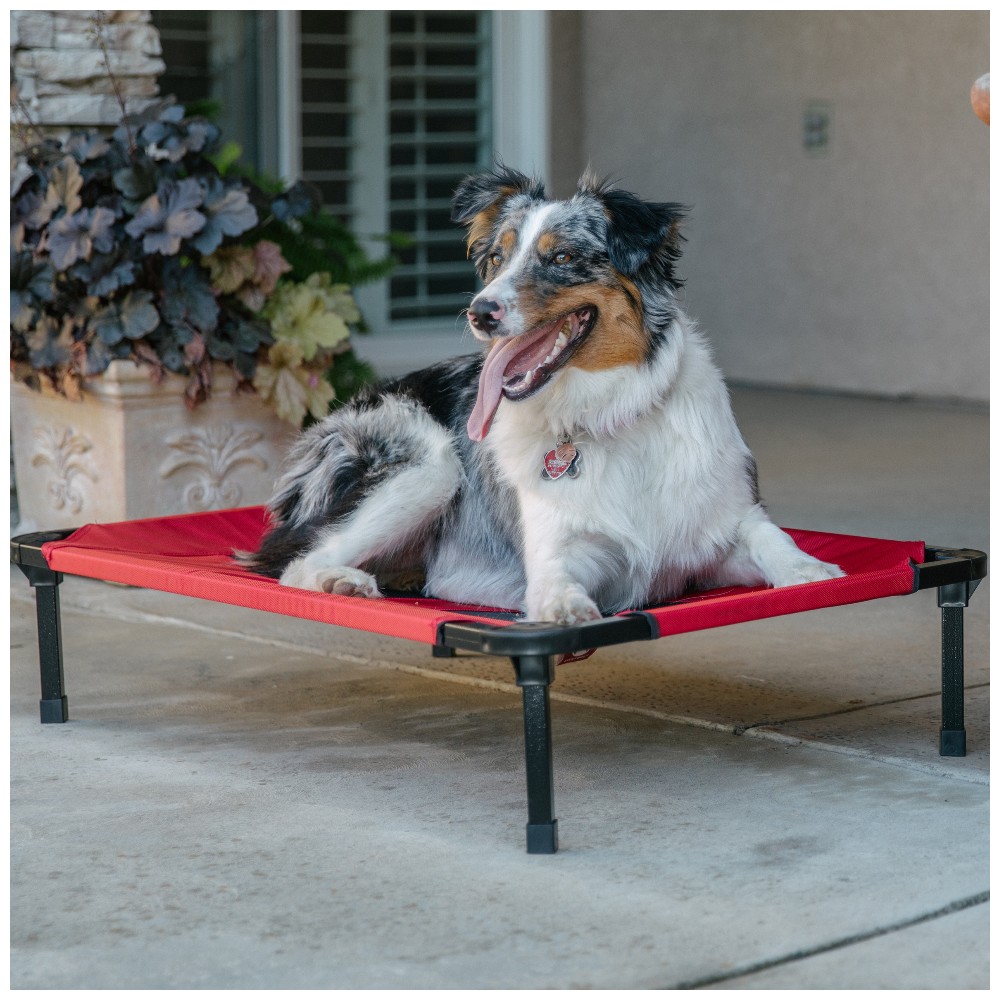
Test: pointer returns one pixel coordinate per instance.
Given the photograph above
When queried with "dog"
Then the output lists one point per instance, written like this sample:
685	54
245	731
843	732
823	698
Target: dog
588	463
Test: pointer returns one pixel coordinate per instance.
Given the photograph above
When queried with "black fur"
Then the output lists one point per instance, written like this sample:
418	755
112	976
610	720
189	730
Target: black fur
291	537
642	233
752	478
444	389
481	191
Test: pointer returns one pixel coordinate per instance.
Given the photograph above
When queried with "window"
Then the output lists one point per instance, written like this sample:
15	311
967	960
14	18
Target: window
439	131
385	111
395	111
327	89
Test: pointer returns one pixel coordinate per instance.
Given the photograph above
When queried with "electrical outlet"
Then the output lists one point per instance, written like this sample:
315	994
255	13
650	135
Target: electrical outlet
816	127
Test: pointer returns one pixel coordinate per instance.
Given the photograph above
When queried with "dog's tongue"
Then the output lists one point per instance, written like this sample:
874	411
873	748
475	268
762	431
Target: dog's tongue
491	387
500	358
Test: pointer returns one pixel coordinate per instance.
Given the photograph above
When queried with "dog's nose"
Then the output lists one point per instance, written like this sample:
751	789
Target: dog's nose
486	315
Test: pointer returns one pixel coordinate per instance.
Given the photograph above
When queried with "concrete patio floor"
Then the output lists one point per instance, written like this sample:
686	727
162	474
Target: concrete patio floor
247	801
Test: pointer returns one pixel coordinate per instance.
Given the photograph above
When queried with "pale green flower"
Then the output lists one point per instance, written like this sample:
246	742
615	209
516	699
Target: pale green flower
338	297
313	314
291	388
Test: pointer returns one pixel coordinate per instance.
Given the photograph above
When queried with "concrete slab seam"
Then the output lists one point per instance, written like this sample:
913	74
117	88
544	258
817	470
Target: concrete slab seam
860	708
755	732
969	777
954	907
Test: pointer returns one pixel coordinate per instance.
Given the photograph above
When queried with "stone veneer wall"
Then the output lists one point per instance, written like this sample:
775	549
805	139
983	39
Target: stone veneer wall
60	78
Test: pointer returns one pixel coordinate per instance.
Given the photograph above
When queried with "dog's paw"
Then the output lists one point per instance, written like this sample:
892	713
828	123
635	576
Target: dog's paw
807	570
344	581
570	606
348	582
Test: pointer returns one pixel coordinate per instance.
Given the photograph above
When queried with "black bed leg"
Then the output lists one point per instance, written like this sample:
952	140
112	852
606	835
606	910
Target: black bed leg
953	600
53	706
534	675
952	681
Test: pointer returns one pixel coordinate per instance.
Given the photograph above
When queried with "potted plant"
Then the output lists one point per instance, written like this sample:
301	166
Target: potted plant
175	318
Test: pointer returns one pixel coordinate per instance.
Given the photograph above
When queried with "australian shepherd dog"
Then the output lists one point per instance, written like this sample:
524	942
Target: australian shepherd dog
588	462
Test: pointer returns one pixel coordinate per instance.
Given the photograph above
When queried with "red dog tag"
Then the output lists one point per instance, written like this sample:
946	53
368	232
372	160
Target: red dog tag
564	459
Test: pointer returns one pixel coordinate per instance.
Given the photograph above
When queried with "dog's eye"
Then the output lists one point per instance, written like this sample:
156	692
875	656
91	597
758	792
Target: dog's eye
563	257
496	259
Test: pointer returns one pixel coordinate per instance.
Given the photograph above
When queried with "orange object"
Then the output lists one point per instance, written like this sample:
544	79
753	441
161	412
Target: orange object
981	97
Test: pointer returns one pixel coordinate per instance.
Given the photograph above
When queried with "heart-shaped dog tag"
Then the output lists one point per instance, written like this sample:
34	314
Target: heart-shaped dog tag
563	460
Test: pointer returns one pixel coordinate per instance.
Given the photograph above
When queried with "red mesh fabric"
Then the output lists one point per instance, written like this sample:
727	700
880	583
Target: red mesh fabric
875	567
191	554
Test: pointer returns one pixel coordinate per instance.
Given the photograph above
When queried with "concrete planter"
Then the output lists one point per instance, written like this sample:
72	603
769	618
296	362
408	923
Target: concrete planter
132	449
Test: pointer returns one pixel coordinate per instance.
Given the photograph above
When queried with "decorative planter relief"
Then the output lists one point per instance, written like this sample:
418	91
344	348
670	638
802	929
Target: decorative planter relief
210	455
62	452
132	449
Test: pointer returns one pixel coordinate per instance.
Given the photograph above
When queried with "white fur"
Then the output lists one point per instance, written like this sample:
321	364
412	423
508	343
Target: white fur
663	496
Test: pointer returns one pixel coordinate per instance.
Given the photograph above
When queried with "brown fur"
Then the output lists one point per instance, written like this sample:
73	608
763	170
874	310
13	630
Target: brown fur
481	226
547	243
619	336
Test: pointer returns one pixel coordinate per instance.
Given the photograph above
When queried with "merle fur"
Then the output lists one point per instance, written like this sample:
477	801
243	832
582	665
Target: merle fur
607	228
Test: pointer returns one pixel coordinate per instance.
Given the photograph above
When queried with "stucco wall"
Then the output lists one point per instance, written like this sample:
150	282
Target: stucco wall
863	268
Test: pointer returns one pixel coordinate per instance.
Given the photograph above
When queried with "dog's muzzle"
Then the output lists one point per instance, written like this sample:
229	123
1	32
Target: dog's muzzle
517	367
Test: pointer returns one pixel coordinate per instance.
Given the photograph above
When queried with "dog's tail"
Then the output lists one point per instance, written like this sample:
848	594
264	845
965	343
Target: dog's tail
281	545
335	478
324	484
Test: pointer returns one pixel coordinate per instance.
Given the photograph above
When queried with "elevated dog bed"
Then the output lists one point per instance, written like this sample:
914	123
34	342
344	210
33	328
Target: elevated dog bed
191	555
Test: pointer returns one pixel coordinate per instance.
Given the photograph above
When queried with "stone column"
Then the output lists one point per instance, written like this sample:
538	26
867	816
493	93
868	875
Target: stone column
60	74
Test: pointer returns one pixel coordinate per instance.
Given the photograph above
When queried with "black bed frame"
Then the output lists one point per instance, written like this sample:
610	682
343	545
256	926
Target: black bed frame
534	648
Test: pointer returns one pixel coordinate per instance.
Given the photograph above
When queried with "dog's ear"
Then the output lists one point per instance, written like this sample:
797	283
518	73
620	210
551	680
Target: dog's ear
643	232
479	198
639	232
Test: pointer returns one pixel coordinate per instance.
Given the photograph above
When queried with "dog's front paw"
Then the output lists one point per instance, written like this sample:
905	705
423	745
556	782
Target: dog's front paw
569	606
344	581
807	570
